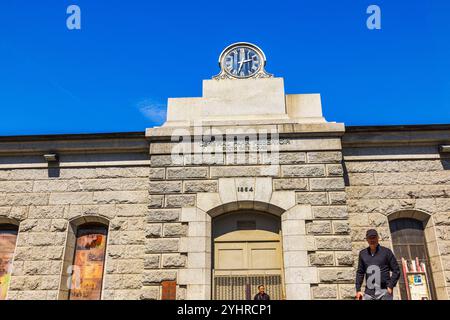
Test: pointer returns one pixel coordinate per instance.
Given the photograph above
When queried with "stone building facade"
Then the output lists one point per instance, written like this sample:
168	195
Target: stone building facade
401	172
159	194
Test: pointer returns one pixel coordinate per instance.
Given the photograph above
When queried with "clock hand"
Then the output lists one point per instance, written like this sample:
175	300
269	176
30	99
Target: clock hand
241	63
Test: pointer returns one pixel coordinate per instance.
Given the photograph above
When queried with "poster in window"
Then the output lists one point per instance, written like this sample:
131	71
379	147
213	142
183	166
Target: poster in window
86	283
7	245
416	279
418	286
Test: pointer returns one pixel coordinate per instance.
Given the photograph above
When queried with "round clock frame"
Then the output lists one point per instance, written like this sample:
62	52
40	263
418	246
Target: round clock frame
258	73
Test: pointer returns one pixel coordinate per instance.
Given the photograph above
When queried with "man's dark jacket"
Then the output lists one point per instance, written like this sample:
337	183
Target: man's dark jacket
385	260
263	296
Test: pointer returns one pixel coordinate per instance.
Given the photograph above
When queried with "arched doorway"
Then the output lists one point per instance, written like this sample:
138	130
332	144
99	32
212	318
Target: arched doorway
247	252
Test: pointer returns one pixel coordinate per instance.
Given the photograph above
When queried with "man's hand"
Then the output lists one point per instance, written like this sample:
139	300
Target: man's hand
359	295
390	291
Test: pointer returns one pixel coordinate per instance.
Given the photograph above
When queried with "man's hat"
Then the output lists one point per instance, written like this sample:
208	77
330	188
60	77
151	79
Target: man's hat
371	233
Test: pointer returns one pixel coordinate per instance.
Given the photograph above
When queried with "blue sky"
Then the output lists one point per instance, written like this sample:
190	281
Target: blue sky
116	73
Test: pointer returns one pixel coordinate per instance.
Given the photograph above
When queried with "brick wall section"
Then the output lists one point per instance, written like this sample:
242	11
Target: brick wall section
377	188
317	178
44	207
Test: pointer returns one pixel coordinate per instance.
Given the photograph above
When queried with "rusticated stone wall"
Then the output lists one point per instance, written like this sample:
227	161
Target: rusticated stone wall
155	205
310	168
44	207
401	181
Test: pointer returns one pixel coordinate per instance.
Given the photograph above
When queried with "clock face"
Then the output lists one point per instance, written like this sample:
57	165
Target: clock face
242	62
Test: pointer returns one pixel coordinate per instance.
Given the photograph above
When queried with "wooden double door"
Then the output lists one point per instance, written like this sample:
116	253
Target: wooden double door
247	253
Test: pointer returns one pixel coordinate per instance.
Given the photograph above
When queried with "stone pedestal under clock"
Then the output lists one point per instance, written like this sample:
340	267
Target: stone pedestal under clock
254	226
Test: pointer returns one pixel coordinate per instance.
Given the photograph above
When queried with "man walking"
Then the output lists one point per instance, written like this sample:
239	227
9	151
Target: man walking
375	264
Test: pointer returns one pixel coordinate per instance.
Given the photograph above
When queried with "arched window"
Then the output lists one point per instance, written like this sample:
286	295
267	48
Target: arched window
410	248
86	271
8	237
